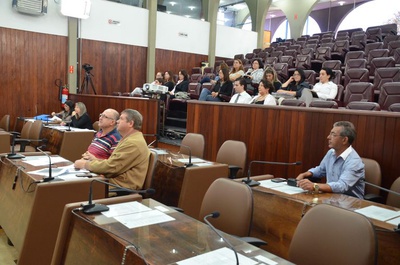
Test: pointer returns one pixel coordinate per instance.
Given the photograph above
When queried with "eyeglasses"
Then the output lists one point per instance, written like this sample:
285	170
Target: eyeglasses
332	134
101	115
295	74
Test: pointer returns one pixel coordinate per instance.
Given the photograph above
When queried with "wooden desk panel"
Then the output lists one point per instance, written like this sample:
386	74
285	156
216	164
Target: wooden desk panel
164	243
31	218
288	134
276	216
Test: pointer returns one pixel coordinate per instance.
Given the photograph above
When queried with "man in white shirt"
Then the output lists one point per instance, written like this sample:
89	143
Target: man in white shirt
241	96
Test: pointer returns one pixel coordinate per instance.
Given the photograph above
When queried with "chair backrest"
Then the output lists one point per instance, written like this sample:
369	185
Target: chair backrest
357	92
322	52
377	53
374	34
355	63
315	239
393	45
380	63
194	90
356	75
5	123
394	107
288	60
325	104
96	126
195	142
354	55
310	76
277	54
234	201
293	103
333	64
233	153
340	45
26	129
390	94
361	105
281	70
393	199
195	78
292	53
303	61
150	170
271	60
397	56
386	75
372	46
373	175
74	144
35	131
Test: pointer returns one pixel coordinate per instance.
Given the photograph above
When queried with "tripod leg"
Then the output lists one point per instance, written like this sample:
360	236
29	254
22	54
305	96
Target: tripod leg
82	86
91	82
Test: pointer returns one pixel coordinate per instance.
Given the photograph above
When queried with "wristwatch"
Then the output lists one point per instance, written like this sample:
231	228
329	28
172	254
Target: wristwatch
316	187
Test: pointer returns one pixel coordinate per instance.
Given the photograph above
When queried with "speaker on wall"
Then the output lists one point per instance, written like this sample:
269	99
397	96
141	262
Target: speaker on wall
31	7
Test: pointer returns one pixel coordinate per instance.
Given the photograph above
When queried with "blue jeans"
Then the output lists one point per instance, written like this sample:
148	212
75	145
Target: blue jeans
204	93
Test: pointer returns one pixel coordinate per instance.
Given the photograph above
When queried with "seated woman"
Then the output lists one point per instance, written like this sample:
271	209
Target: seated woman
182	85
255	73
169	80
223	87
264	97
325	88
237	70
295	84
80	118
271	76
66	114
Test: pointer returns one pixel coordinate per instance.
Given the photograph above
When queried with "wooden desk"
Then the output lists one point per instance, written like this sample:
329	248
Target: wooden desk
31	217
177	185
276	216
163	243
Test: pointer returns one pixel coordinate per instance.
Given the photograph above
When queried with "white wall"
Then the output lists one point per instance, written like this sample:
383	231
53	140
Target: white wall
131	29
51	23
232	41
182	34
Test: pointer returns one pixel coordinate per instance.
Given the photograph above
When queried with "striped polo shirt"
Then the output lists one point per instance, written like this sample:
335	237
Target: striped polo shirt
103	146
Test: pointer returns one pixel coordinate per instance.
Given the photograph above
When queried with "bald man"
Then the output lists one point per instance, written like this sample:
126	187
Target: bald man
106	139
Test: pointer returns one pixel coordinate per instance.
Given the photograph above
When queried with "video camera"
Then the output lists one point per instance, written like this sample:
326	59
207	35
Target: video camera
87	67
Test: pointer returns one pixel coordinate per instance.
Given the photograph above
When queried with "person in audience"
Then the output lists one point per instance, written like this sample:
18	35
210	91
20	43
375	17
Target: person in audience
207	79
342	166
158	75
127	166
80	118
325	88
271	76
264	97
256	72
222	87
241	96
182	85
106	139
237	70
66	114
295	84
159	81
169	80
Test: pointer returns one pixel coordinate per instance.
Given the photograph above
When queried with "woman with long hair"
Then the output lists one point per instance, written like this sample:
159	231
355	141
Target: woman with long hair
264	97
223	86
237	70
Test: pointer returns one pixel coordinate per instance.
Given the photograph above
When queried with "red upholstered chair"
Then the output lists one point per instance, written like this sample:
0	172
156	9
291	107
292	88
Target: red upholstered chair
282	71
281	49
249	56
358	91
262	55
296	47
257	50
209	86
277	54
238	56
307	51
208	70
325	104
356	75
321	54
196	78
363	105
292	53
194	90
271	61
394	107
196	70
390	94
288	60
303	62
310	76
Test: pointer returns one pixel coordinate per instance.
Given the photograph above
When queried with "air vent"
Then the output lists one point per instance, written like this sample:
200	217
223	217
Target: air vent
32	7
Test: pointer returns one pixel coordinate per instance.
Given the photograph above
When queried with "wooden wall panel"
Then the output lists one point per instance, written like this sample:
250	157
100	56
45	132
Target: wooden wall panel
174	61
288	134
30	62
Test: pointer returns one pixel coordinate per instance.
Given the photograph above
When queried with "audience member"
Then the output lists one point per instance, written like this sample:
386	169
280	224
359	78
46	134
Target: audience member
342	166
159	81
158	75
222	87
237	70
127	165
169	80
325	88
241	95
264	97
295	86
106	139
66	114
80	118
271	76
256	72
182	85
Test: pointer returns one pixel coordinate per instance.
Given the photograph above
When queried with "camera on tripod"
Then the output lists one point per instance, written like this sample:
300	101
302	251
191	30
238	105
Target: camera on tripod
87	67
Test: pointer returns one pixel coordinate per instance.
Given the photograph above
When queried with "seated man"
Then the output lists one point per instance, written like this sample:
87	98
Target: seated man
127	165
342	166
241	95
106	139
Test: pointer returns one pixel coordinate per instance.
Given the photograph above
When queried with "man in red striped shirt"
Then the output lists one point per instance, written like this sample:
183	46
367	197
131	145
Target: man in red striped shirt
106	139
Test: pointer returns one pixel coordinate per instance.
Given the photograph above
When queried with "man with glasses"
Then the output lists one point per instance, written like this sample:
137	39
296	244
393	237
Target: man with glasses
342	166
105	141
127	165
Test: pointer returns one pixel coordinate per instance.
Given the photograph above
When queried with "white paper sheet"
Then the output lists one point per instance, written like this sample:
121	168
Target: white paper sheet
378	213
395	221
218	257
125	208
143	219
43	160
159	151
281	187
269	184
193	160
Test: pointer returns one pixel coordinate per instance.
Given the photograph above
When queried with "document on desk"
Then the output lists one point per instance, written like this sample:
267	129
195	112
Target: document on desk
143	218
159	151
43	160
395	221
125	208
193	160
218	257
378	213
281	187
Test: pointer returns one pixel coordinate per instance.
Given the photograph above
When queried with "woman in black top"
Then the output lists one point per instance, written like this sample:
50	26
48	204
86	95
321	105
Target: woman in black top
223	87
295	84
81	119
182	85
271	76
169	80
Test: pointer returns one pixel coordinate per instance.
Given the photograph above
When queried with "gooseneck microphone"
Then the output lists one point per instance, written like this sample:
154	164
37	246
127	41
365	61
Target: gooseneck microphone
379	187
189	164
253	183
49	177
92	208
216	215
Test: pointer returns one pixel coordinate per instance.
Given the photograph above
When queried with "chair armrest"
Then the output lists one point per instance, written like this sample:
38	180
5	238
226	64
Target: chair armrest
254	241
225	98
233	170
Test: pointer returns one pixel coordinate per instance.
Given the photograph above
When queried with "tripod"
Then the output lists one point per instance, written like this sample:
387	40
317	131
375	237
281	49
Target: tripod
85	83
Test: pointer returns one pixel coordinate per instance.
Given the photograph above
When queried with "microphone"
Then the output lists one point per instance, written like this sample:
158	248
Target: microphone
50	177
189	164
92	208
253	183
14	155
216	215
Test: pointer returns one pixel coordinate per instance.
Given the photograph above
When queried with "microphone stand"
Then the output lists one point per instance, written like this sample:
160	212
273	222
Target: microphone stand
92	208
50	177
14	155
189	164
252	183
216	215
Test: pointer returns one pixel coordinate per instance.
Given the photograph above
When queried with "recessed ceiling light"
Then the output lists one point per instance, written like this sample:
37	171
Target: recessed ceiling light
172	3
341	3
191	7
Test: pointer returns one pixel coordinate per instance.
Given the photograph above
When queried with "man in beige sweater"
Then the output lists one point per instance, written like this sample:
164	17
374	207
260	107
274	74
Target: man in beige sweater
127	166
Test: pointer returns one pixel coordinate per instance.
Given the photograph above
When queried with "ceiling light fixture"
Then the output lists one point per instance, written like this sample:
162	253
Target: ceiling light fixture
172	3
191	7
